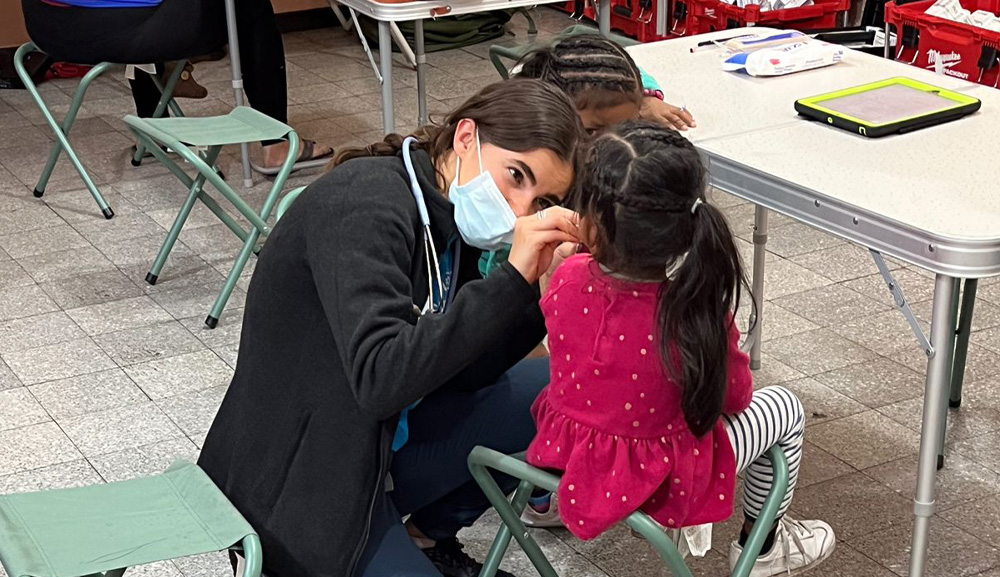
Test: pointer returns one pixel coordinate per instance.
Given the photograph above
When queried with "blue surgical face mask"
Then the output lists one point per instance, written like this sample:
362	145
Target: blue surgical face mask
482	214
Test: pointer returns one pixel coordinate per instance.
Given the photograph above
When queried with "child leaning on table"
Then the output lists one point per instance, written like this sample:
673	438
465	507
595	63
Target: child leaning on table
651	403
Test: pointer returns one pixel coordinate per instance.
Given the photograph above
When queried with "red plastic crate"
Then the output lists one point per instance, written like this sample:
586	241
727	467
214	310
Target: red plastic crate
690	17
966	51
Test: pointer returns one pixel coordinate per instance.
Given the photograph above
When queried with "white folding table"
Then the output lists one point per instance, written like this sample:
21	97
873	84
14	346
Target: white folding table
419	10
924	198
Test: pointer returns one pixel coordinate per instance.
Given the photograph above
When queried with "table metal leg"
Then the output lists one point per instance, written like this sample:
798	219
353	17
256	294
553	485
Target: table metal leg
385	64
757	320
935	403
962	341
604	18
418	33
234	64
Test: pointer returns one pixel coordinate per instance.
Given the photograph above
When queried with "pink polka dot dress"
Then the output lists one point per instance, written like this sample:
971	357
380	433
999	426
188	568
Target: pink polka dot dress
611	418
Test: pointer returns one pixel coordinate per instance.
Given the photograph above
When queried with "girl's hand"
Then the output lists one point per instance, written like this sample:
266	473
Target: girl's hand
562	252
536	238
656	110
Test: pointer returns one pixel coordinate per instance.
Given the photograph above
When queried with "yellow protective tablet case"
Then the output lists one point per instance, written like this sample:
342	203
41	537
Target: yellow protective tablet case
954	106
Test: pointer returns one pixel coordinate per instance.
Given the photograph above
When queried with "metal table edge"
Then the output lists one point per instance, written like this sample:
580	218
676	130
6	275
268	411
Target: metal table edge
940	254
421	9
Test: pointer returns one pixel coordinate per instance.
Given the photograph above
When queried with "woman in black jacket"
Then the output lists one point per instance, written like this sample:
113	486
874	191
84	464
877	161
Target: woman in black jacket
342	335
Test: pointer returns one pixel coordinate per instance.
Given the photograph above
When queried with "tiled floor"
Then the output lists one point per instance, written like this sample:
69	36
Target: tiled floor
104	377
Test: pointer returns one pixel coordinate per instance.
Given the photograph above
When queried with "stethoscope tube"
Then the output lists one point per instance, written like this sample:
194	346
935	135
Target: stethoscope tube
429	250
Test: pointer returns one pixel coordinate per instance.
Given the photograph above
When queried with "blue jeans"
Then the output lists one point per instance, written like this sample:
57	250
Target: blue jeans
431	481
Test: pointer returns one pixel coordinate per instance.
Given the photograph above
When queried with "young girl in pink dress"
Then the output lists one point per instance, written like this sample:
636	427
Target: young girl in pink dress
627	429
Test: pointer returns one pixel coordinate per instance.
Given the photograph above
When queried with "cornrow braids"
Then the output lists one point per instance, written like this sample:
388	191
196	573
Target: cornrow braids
640	200
594	71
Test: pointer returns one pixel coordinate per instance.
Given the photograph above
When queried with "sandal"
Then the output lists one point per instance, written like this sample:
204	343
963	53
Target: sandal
306	160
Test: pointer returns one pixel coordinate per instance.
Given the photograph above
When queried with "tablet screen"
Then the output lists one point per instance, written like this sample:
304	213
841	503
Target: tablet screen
887	104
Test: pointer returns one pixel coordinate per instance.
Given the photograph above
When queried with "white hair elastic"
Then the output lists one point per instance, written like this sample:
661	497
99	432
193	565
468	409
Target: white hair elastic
694	205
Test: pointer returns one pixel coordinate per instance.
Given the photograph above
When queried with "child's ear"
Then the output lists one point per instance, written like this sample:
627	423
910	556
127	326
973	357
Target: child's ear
588	234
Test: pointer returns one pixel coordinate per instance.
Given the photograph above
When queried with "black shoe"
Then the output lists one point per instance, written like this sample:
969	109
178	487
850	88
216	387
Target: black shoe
450	559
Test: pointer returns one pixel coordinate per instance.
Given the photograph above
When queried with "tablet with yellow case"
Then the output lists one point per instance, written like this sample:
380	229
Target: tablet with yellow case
889	106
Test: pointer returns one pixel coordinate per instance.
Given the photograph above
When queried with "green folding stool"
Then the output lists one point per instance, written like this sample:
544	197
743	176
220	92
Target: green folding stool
516	53
186	136
61	130
482	460
102	530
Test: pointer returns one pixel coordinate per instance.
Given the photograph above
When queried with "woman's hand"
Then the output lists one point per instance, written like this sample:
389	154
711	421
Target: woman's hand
536	238
656	110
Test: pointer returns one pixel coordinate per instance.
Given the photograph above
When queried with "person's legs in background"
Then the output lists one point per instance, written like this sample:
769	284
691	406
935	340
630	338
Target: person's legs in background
262	58
431	479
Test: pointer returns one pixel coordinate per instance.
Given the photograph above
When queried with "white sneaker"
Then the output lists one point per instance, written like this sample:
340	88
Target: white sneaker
546	520
798	546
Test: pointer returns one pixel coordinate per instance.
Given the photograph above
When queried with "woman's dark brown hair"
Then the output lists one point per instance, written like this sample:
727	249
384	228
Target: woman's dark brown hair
517	115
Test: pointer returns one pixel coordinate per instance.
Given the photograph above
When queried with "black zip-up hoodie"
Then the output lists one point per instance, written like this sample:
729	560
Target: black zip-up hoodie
332	350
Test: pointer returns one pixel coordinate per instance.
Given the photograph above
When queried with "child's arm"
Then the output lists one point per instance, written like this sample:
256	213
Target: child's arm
740	386
655	109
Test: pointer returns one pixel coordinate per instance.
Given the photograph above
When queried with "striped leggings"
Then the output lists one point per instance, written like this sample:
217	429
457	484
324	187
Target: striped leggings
775	417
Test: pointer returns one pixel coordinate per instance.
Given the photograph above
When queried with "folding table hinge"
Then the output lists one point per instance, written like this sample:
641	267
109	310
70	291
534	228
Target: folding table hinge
901	303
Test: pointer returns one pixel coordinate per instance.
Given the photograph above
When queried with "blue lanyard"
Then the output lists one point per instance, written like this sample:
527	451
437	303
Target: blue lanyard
435	286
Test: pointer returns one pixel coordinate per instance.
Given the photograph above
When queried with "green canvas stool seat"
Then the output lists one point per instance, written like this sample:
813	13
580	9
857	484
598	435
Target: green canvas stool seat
105	529
186	136
516	53
483	460
61	130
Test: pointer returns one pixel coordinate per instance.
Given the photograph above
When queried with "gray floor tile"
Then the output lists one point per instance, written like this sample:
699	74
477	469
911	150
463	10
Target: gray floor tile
181	270
782	277
984	450
208	565
915	286
119	315
865	440
853	505
119	429
24	301
59	361
12	275
227	332
777	322
91	289
194	412
67	475
196	300
774	372
817	351
981	366
796	239
840	263
831	305
980	517
821	402
819	466
960	481
953	552
43	240
973	419
56	265
121	228
34	447
8	380
147	343
848	562
180	374
228	353
145	460
19	409
29	217
85	394
74	204
986	315
135	256
37	331
875	383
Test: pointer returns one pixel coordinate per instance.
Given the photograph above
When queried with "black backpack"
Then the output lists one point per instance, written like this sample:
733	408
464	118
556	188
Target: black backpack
447	32
36	63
